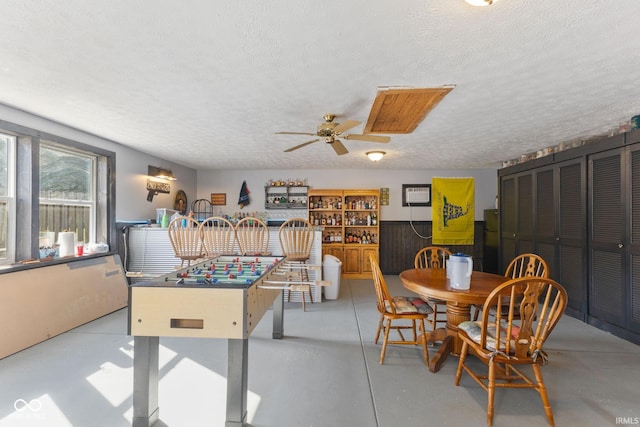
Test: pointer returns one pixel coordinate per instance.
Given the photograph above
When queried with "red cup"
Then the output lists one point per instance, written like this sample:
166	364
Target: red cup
80	250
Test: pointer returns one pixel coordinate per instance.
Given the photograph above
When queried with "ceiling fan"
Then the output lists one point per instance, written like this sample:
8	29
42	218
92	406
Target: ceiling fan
331	131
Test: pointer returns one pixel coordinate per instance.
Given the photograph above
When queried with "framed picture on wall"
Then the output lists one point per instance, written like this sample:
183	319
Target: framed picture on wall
219	199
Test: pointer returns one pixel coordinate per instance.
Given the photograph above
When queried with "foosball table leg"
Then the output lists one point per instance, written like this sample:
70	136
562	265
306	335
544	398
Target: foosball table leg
237	384
145	381
278	317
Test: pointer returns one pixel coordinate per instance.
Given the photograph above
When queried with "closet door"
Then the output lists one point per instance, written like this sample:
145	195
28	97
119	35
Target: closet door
571	267
545	217
607	237
633	305
517	218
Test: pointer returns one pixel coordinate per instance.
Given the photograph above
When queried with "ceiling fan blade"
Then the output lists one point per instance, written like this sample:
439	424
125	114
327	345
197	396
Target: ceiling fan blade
344	126
301	145
370	138
296	133
339	147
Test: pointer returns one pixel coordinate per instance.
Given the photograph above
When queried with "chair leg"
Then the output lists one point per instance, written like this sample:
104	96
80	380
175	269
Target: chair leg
423	341
384	343
543	394
379	329
461	359
491	392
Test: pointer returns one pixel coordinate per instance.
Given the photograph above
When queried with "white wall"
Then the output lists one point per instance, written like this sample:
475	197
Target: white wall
131	167
230	182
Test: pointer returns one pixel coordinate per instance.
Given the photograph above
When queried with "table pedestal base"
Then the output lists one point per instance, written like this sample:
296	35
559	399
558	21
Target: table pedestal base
456	313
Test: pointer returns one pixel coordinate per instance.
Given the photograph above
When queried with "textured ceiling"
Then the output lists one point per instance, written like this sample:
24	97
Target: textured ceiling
208	83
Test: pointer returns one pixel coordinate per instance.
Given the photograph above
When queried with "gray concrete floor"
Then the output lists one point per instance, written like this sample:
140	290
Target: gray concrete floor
324	373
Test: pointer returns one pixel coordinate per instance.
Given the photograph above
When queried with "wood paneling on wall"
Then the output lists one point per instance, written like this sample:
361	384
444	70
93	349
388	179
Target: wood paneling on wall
399	244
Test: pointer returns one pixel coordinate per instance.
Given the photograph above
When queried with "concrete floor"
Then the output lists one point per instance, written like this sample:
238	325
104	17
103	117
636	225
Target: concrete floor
324	373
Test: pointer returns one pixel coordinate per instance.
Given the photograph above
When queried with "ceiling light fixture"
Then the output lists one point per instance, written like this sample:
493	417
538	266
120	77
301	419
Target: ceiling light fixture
480	2
374	156
161	173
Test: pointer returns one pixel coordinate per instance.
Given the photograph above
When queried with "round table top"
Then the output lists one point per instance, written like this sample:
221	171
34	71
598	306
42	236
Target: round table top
433	283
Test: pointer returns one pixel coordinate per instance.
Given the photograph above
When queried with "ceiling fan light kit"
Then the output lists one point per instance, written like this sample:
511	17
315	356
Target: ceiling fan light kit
480	2
375	156
330	131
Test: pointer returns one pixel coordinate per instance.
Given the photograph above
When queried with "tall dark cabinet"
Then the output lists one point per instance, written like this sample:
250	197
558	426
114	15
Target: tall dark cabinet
580	210
491	241
614	239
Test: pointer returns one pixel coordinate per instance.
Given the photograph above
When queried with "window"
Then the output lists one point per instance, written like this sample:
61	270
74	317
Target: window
50	184
67	194
7	197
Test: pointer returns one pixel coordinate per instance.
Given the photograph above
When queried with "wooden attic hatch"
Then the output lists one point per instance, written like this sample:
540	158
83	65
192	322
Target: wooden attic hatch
400	110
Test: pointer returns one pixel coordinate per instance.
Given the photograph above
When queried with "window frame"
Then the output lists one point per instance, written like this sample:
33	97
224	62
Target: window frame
91	202
27	193
9	199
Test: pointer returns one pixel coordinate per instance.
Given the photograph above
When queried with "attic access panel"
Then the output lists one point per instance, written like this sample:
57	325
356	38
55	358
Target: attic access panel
400	110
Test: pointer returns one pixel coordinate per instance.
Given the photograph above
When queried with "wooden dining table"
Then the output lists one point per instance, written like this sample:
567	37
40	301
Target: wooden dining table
433	283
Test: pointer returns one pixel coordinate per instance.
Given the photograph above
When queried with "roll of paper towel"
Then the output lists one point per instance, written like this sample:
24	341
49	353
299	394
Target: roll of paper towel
66	240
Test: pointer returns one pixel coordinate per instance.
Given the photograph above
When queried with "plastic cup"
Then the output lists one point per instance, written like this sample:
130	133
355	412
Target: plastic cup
80	250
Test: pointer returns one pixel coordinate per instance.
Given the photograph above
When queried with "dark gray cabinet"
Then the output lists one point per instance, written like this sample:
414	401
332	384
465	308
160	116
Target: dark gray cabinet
614	239
546	214
491	241
580	210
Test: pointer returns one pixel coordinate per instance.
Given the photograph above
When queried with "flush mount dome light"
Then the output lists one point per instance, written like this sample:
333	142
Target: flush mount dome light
374	156
480	2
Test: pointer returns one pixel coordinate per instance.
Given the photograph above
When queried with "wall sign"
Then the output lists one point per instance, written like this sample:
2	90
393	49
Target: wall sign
219	199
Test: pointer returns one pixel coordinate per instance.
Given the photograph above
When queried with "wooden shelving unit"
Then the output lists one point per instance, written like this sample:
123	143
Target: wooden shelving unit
285	197
350	219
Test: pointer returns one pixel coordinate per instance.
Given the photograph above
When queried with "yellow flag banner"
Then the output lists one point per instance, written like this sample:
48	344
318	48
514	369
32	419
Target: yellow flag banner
453	216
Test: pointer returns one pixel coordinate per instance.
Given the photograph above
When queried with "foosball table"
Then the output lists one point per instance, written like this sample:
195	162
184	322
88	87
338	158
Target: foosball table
223	297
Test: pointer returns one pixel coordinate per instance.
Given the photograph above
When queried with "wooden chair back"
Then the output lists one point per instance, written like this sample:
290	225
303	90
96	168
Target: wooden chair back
535	304
514	337
296	239
218	236
431	257
383	297
184	235
526	265
252	235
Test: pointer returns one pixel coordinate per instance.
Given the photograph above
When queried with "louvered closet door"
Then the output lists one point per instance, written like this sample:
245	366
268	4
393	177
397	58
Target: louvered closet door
572	234
517	224
545	219
634	247
607	237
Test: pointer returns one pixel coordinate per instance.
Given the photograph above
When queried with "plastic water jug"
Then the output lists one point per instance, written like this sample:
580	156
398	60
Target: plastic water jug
461	267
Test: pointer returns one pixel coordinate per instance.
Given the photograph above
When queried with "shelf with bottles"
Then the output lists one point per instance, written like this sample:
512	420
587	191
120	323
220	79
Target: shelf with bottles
326	202
361	236
286	197
359	218
360	203
331	236
327	218
350	220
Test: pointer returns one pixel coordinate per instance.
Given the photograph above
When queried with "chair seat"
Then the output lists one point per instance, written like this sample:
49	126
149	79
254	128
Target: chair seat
473	329
407	305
